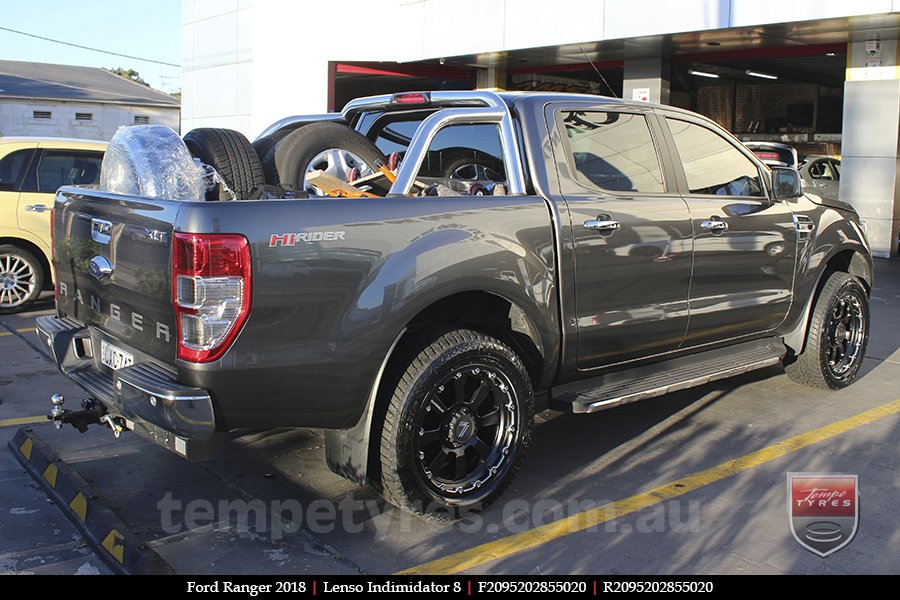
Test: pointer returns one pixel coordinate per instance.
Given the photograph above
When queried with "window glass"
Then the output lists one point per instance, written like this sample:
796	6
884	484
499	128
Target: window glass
613	151
821	169
466	152
60	168
395	136
12	167
469	152
712	165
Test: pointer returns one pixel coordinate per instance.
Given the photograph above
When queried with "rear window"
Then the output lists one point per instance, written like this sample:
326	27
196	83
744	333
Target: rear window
12	168
59	168
612	151
470	152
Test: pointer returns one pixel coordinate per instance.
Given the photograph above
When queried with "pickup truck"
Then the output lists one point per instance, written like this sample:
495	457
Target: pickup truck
627	250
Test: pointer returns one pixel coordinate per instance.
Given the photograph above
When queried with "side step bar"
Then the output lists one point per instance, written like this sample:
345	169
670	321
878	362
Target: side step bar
647	381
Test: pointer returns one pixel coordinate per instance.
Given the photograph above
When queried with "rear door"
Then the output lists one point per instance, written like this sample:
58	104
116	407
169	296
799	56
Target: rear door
744	242
54	169
631	232
13	171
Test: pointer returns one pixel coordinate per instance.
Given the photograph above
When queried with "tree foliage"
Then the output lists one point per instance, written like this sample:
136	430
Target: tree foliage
129	74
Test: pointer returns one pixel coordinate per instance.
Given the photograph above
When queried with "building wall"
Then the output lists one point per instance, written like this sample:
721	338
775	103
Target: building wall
17	118
248	63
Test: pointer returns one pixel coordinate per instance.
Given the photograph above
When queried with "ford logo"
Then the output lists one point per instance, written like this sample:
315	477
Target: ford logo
100	268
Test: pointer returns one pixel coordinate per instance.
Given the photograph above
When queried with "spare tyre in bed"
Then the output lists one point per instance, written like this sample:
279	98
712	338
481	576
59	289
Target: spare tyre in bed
263	145
232	156
330	147
151	161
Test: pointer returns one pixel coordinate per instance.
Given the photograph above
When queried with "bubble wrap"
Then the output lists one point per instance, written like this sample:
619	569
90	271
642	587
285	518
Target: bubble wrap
151	161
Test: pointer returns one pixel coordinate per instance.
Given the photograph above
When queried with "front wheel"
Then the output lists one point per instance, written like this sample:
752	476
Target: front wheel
837	336
457	427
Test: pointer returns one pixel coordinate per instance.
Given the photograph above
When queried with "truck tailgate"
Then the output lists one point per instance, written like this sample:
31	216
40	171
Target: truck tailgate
113	263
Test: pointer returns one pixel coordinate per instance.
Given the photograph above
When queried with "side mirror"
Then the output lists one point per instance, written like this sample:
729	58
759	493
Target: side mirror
785	183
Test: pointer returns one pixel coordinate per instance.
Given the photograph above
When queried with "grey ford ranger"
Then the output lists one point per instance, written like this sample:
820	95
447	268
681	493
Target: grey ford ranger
581	250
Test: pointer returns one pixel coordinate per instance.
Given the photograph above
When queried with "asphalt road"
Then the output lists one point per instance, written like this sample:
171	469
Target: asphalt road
714	461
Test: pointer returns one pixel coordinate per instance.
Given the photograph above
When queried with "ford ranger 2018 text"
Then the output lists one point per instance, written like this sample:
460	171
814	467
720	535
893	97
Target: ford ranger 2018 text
411	274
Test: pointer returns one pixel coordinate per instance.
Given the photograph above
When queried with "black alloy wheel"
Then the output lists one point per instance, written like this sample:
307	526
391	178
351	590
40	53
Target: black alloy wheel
836	337
457	426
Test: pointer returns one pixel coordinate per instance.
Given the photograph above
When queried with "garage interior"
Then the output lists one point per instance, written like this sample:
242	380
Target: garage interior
789	95
790	83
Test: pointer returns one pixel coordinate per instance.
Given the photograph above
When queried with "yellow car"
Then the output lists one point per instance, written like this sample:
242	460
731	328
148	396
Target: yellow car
31	170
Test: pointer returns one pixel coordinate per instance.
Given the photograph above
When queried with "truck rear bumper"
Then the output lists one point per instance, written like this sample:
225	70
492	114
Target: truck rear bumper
148	397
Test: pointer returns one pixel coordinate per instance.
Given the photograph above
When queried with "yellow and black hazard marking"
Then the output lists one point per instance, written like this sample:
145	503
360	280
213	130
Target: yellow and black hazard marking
100	527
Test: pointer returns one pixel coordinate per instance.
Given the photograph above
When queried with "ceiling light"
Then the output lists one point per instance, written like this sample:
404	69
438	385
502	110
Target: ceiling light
760	74
703	74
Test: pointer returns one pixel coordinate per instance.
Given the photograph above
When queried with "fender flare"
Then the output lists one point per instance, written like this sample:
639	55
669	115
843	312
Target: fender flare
796	338
347	450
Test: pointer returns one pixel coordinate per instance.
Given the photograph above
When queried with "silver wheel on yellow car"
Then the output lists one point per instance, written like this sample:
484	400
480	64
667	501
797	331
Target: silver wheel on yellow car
21	279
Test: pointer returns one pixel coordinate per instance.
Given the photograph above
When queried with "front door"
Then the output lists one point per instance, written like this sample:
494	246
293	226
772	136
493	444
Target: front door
744	243
631	232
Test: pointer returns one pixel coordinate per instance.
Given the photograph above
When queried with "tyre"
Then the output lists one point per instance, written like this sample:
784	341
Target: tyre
330	147
151	161
457	426
232	155
837	336
21	279
262	146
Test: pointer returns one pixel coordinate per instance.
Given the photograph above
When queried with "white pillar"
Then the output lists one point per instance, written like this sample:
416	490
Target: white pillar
646	78
871	132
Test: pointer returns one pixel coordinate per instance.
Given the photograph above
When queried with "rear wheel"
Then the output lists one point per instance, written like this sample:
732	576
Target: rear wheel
837	336
457	426
231	155
21	279
330	147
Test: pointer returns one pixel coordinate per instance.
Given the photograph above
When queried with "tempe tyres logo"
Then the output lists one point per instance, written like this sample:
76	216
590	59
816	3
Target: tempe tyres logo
823	509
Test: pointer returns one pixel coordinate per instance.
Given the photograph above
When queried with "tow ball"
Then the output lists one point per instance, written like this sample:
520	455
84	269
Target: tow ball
92	412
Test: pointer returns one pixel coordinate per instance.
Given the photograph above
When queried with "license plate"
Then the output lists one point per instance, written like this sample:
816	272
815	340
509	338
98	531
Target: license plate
114	357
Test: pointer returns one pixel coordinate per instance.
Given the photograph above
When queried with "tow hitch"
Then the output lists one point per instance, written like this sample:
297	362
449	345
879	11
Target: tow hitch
92	413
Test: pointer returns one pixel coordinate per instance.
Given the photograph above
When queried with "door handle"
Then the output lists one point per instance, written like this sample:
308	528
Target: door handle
38	208
714	225
603	226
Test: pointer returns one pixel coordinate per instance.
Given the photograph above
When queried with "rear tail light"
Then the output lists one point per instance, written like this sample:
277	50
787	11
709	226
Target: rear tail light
211	288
